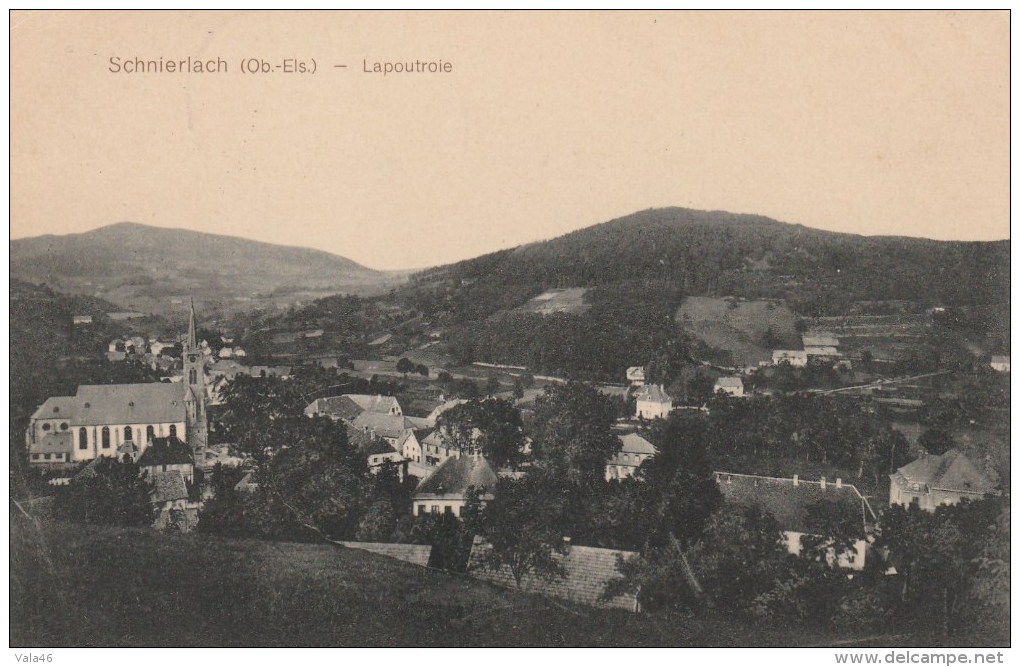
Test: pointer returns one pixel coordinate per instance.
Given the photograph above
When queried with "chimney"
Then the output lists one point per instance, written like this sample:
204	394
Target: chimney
823	484
796	480
839	483
566	544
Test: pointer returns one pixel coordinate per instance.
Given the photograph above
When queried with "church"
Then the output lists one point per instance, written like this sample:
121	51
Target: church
123	419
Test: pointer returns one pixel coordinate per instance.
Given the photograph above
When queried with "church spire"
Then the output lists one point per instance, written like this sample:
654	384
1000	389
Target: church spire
192	333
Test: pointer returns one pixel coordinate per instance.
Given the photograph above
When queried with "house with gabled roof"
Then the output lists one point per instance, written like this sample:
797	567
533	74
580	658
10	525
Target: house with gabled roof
935	480
168	454
731	386
349	406
788	500
652	402
446	489
1000	363
634	450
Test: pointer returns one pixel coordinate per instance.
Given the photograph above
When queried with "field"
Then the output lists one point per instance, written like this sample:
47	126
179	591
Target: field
886	337
748	330
90	586
569	300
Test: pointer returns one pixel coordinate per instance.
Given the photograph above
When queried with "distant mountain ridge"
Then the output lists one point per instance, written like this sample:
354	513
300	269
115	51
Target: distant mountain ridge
143	267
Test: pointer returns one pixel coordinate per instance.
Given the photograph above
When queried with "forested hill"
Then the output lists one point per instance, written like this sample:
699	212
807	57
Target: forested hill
726	254
145	268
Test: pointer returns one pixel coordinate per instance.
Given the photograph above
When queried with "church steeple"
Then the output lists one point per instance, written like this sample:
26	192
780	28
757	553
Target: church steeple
194	382
192	343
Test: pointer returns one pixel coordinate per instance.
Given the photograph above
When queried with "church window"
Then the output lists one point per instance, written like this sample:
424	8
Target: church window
106	437
150	433
63	426
192	376
127	433
46	426
173	430
83	438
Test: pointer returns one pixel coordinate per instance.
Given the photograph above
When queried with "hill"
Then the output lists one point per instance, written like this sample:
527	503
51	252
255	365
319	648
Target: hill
145	268
635	271
142	588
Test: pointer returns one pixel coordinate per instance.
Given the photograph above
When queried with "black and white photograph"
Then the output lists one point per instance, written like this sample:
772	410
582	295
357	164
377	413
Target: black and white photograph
557	329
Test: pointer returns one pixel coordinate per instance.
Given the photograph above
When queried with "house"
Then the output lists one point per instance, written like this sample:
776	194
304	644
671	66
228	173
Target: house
225	353
116	355
101	419
796	358
410	446
437	445
349	406
634	451
788	501
586	572
246	484
1000	363
81	319
168	454
636	375
214	454
374	449
446	489
934	480
732	386
652	402
388	427
172	506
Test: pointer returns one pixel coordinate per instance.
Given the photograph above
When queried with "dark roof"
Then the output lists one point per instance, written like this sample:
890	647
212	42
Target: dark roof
141	403
951	471
57	407
455	475
166	451
587	570
788	499
336	407
167	486
52	443
653	394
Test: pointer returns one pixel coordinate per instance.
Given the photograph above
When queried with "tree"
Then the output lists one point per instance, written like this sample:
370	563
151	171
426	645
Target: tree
492	385
405	366
740	557
422	370
492	426
224	513
936	441
573	436
108	492
521	528
834	527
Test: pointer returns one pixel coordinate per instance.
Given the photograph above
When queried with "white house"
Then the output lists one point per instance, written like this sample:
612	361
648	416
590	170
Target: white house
652	402
933	480
82	319
796	358
788	501
446	490
634	451
636	375
732	386
1000	363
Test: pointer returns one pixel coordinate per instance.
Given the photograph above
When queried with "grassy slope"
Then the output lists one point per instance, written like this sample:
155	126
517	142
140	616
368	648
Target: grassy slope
88	586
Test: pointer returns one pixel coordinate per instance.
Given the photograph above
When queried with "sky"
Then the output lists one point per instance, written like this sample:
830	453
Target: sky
864	122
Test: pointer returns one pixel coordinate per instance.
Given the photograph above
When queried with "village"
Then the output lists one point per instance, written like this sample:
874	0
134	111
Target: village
452	454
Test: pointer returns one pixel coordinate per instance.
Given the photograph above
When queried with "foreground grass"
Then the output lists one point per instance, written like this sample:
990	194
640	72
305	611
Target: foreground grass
88	586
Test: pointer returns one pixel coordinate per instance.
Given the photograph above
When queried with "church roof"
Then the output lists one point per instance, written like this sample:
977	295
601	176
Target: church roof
142	403
57	407
166	451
